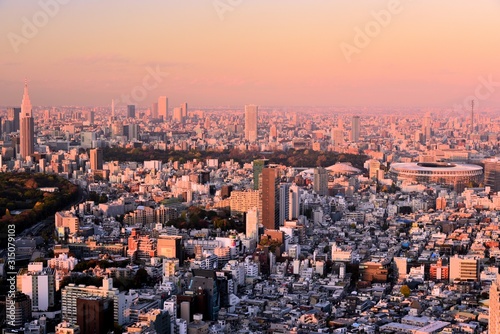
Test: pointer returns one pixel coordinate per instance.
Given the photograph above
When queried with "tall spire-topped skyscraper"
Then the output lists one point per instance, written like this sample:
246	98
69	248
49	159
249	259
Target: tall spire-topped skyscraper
27	126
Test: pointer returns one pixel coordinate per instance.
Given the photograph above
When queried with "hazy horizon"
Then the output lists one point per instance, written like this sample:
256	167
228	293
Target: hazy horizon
232	53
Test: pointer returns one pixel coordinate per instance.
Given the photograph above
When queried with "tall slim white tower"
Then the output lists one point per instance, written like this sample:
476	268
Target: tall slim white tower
27	126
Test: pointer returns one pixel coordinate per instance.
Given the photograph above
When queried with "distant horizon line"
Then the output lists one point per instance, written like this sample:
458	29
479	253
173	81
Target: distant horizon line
265	107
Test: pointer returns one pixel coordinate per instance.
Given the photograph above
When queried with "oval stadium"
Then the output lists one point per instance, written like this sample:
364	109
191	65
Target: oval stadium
450	174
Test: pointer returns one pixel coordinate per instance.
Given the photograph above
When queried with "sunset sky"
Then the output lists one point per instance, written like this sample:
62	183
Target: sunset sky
430	53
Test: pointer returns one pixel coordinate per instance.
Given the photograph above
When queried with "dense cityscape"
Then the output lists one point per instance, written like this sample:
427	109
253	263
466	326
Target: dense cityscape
391	228
249	167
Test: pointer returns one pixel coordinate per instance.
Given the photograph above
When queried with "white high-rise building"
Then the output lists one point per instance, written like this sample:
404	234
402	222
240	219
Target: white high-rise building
251	116
252	224
121	300
39	284
170	305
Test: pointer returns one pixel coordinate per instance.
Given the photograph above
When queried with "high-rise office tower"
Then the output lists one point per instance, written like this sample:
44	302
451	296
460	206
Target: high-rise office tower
258	166
270	198
494	321
113	108
184	108
251	113
91	116
284	202
154	110
163	107
320	184
96	159
27	126
294	199
131	111
492	174
133	131
337	136
355	129
177	115
426	127
117	129
13	115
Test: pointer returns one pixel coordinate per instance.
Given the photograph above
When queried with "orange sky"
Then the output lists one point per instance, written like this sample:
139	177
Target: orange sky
427	53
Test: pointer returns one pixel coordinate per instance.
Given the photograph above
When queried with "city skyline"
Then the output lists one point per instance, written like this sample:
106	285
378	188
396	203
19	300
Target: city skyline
212	55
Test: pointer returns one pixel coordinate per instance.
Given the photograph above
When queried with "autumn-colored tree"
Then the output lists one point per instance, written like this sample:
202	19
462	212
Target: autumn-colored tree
405	290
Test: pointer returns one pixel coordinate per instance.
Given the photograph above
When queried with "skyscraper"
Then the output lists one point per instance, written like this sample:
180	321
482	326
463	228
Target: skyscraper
426	127
113	108
494	321
27	126
270	198
251	112
177	115
320	184
355	129
337	136
163	107
96	158
13	115
492	174
258	166
284	202
154	110
294	199
131	111
184	107
91	117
